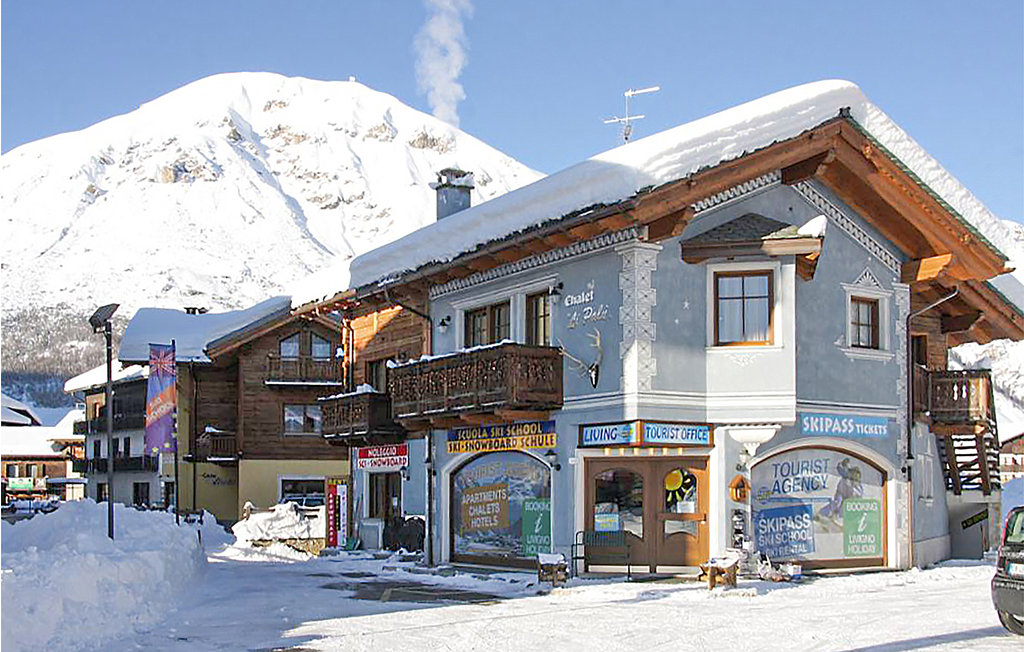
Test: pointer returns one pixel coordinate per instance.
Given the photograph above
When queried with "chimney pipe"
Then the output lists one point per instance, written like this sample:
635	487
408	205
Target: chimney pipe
453	188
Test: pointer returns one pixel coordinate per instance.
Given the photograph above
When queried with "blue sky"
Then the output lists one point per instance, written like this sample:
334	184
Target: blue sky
541	75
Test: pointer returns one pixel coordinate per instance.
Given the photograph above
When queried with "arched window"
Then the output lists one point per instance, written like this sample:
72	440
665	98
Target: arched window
289	346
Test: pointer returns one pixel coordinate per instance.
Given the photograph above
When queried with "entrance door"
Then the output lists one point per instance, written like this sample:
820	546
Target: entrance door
661	503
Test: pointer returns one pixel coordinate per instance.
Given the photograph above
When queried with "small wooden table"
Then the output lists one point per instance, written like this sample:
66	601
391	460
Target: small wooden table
715	568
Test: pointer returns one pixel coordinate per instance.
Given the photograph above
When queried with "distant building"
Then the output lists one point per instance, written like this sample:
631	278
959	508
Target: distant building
1011	458
40	462
16	413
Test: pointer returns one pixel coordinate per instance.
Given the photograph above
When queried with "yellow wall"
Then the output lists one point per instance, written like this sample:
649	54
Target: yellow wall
258	479
217	489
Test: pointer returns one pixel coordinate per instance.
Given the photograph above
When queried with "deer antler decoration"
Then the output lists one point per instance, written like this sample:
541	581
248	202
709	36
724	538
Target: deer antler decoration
592	370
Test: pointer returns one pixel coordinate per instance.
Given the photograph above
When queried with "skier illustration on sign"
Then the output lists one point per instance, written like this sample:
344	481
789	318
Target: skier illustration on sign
849	486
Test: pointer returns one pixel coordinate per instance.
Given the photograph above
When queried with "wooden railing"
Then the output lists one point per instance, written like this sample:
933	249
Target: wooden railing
129	421
304	368
365	415
489	379
922	381
124	464
961	397
221	446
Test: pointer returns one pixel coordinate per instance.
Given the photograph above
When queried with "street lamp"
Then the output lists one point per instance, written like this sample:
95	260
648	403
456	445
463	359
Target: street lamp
100	322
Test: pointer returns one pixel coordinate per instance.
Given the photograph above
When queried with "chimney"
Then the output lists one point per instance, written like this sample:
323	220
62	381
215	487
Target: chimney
453	187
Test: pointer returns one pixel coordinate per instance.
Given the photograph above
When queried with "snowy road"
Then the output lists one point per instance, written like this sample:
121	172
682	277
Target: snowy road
243	605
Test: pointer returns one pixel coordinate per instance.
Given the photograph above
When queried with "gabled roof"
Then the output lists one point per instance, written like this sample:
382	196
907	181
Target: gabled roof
627	172
193	334
97	376
747	228
16	413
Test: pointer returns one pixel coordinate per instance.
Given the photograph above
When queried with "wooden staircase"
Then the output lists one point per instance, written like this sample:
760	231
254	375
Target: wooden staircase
961	407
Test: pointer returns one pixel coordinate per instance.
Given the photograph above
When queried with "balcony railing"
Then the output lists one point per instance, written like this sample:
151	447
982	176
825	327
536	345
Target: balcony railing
138	463
217	446
961	397
304	369
504	377
362	415
129	421
80	466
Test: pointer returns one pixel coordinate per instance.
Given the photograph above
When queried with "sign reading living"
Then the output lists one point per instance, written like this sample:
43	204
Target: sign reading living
502	437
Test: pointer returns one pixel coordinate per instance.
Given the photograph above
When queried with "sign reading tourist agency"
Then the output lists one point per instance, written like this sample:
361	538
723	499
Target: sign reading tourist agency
645	433
502	437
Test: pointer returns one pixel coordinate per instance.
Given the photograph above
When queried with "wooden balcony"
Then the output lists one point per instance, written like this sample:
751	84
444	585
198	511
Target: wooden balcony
961	397
138	463
218	447
129	421
304	370
504	382
359	419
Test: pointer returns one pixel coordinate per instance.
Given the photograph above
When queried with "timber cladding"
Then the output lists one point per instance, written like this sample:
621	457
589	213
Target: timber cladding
389	334
261	406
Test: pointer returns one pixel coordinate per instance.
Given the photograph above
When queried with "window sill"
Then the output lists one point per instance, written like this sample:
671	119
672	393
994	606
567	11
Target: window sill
301	434
867	354
743	348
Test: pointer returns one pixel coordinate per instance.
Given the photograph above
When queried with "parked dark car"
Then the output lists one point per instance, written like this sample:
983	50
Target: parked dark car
1008	583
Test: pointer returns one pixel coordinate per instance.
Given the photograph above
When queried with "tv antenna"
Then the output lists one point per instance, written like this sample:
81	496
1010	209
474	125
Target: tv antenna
626	122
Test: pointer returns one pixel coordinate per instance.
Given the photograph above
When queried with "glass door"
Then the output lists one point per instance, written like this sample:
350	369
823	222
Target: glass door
616	502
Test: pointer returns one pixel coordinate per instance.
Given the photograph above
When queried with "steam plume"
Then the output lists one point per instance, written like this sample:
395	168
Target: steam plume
440	47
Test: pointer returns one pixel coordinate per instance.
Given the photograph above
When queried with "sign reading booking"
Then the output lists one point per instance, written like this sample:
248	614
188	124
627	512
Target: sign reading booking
843	425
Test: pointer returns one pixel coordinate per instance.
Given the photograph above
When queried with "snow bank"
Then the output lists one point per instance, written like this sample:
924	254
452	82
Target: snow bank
66	586
285	521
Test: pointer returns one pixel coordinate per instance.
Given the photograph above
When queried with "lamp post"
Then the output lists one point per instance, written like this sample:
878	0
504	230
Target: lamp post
100	322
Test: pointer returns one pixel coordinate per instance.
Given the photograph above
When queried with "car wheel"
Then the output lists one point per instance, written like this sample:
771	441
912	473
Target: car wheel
1012	623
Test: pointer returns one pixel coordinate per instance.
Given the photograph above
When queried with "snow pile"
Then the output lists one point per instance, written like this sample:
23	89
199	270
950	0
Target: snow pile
277	552
67	586
284	521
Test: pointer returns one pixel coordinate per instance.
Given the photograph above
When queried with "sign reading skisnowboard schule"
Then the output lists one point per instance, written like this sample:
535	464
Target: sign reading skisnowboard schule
502	437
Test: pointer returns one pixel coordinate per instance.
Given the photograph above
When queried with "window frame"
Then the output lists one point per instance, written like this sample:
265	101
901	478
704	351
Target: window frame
869	291
305	420
298	342
491	315
313	337
770	274
370	374
535	317
873	324
468	301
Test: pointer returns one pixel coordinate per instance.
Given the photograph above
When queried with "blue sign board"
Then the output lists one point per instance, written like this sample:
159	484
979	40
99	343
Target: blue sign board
843	425
673	434
616	434
785	532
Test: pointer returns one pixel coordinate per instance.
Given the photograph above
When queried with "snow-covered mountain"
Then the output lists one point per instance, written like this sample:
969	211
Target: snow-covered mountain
224	192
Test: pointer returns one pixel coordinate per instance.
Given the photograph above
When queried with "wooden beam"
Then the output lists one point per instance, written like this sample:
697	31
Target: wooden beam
586	230
511	255
482	263
808	168
557	240
535	246
617	221
986	480
669	226
523	415
959	323
806	265
926	269
480	419
951	469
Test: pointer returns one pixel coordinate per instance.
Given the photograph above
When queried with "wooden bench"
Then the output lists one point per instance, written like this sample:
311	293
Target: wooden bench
615	544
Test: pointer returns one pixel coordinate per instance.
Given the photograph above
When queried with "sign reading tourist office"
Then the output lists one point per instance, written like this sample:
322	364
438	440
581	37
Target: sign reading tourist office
822	506
645	433
501	496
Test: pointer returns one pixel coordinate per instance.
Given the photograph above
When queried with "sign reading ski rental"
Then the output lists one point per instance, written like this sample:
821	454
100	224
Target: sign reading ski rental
161	400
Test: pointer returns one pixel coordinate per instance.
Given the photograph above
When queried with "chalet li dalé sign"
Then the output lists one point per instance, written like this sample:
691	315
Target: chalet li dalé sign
502	437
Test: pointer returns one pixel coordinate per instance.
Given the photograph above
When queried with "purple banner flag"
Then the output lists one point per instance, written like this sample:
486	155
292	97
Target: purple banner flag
161	400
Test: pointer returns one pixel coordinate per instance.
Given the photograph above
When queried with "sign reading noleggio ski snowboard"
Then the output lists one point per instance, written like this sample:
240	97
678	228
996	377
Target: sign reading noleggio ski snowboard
814	503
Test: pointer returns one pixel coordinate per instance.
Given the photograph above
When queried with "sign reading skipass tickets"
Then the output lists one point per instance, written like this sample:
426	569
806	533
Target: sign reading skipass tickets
502	437
843	425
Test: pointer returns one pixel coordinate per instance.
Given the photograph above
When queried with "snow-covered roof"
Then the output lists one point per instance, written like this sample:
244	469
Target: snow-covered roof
618	174
192	334
31	441
16	413
97	376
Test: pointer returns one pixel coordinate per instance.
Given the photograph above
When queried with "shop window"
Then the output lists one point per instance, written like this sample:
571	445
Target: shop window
743	308
538	319
680	492
385	495
305	492
321	347
501	508
377	374
32	470
488	325
140	493
302	420
864	323
12	470
619	502
289	346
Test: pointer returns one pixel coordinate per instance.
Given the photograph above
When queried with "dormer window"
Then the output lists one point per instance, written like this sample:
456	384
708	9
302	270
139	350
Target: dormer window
289	346
743	308
321	347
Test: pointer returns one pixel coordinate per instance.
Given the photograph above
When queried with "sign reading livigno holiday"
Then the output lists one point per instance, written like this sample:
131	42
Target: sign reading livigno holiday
862	528
502	437
536	526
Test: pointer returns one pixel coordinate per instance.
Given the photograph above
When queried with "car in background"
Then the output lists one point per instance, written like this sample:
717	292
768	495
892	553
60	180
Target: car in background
1008	583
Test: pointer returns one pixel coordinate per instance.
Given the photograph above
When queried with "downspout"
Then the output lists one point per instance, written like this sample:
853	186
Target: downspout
194	421
910	417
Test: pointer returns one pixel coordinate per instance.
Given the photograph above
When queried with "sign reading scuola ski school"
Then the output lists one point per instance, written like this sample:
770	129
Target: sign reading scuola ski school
843	425
502	437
